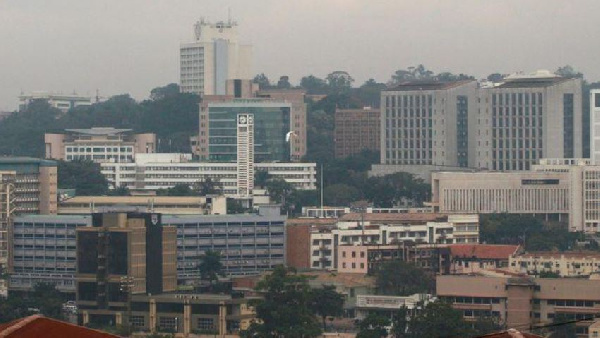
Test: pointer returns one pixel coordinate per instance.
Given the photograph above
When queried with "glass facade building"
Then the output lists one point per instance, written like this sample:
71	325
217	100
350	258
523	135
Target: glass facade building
271	125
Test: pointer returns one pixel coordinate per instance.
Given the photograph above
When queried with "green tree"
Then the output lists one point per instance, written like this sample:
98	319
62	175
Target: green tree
235	207
486	325
326	302
262	80
568	71
339	82
281	192
177	190
284	310
449	77
370	93
388	190
161	93
284	82
373	326
564	327
260	178
411	74
120	191
399	278
210	266
82	175
341	194
439	319
495	77
314	85
207	187
43	299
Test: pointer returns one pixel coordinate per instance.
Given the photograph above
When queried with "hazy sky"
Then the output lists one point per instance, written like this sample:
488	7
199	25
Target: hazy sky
132	46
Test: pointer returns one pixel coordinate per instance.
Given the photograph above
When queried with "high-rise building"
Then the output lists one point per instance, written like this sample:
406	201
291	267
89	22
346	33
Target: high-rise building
214	57
218	125
121	253
99	145
595	125
526	118
356	130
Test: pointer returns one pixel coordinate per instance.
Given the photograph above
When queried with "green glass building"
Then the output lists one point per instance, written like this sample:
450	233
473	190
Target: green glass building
271	125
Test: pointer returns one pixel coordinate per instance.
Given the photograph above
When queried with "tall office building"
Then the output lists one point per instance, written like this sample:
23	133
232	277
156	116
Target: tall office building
213	57
526	118
427	123
218	125
595	125
356	130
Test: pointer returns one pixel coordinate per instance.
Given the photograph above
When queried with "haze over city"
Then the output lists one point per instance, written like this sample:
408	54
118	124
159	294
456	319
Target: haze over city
131	47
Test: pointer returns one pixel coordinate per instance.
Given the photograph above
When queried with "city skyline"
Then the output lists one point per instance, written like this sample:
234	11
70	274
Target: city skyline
133	47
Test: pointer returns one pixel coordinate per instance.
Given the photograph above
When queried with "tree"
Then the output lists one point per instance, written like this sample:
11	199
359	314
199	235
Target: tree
326	302
439	319
341	194
495	77
449	77
177	190
44	299
568	71
373	326
161	93
82	175
564	327
411	74
370	93
207	187
235	207
339	81
284	82
280	191
120	191
314	85
260	178
210	266
388	190
284	310
262	80
399	278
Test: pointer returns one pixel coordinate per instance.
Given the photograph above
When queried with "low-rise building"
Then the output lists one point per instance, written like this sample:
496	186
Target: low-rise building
388	306
473	258
177	205
63	102
523	301
99	145
564	264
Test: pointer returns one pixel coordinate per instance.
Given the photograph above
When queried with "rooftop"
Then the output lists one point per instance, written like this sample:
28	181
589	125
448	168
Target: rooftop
426	85
39	326
27	160
136	200
567	255
408	217
99	131
532	82
483	251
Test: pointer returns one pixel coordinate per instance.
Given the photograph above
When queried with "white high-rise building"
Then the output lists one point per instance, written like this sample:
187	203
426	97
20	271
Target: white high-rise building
595	125
212	58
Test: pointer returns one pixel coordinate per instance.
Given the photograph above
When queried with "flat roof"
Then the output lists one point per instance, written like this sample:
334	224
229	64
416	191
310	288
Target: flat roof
99	131
425	217
4	160
137	199
531	82
426	85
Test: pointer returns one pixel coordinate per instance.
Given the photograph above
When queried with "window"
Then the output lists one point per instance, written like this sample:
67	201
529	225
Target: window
353	254
206	324
362	254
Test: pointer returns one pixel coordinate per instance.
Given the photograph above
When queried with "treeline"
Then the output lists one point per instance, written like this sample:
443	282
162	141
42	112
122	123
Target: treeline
172	115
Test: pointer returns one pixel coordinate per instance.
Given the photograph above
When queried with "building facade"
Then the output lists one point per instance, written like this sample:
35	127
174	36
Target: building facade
63	102
557	189
523	301
565	264
154	173
214	57
595	125
356	130
248	244
99	145
218	129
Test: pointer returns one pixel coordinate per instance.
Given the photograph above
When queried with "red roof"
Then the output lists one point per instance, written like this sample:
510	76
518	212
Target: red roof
40	326
483	251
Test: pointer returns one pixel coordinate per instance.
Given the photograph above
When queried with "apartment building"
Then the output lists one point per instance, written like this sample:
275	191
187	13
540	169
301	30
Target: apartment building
63	102
564	264
161	171
388	229
213	57
356	130
557	189
178	205
100	145
523	301
248	243
44	249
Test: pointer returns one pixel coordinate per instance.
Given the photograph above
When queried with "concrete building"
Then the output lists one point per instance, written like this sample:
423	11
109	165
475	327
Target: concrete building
63	102
565	264
529	117
245	155
388	306
99	145
214	57
134	251
432	126
557	189
298	239
248	243
27	186
356	130
595	125
176	205
43	249
154	172
523	301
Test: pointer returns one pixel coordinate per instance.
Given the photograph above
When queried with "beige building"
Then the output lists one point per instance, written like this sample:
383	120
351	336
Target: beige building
356	130
558	189
176	205
565	264
523	301
99	145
